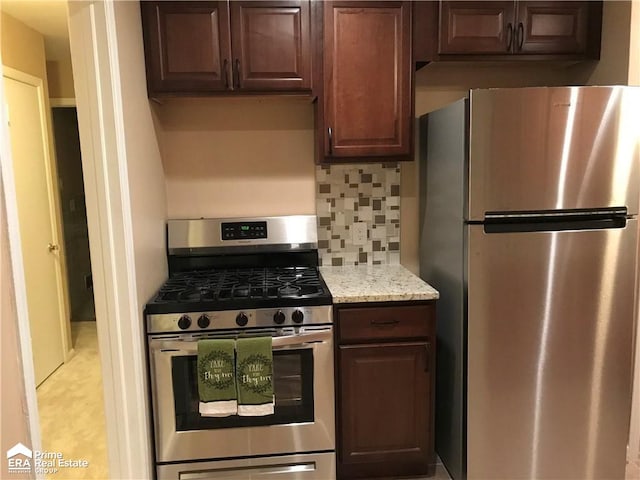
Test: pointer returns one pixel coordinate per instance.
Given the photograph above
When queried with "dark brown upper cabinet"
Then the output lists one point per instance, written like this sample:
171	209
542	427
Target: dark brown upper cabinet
553	29
222	47
365	110
476	27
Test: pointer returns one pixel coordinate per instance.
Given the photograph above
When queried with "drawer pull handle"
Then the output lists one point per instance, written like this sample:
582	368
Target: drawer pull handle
384	323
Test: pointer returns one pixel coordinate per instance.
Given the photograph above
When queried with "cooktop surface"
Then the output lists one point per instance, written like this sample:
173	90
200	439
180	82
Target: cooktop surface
225	289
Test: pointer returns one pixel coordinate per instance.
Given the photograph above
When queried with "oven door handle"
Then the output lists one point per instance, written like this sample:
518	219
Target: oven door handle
300	340
253	471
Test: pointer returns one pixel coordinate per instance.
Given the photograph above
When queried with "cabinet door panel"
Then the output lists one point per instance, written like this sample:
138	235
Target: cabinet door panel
476	27
552	27
367	79
384	409
271	45
186	46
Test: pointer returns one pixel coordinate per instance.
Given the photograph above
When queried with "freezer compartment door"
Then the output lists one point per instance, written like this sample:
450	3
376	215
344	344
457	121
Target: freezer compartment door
550	333
553	148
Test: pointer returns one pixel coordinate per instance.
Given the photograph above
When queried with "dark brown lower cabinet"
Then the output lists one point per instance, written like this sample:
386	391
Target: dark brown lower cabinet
385	391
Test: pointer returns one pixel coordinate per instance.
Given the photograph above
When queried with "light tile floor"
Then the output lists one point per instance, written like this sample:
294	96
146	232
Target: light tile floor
72	413
70	404
632	473
440	474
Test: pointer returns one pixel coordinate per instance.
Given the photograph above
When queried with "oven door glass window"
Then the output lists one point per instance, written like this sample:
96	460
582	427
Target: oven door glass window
292	384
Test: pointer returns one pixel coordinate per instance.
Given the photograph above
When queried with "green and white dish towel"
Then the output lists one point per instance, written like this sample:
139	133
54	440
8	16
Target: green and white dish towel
217	378
254	367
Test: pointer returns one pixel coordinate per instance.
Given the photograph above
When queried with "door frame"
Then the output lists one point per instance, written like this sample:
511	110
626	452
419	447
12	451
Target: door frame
94	51
54	204
62	102
96	72
634	79
20	290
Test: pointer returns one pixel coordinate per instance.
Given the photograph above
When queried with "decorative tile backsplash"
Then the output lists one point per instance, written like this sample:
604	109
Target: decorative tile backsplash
347	194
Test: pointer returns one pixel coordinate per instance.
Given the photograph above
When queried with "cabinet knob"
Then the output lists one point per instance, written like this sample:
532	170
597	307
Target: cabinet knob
52	247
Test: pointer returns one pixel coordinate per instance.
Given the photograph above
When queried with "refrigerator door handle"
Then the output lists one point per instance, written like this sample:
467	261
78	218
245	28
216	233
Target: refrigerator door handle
555	220
560	213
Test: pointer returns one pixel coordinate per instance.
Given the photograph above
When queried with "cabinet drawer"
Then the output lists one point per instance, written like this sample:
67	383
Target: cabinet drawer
385	323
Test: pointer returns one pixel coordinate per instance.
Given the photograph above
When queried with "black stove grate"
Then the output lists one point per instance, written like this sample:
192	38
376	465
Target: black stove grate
242	284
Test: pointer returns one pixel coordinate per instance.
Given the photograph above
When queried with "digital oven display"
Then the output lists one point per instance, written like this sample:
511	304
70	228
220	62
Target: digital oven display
244	230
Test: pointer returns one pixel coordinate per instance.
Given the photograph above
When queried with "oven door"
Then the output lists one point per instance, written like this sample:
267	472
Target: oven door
312	466
304	402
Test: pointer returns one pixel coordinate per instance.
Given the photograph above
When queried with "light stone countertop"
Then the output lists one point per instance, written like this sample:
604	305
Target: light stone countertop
375	283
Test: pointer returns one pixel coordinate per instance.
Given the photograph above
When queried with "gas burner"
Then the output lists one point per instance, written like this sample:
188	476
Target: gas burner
247	272
241	287
289	290
289	277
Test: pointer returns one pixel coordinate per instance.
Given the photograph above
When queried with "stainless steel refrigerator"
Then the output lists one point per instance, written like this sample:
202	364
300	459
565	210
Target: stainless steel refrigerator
529	200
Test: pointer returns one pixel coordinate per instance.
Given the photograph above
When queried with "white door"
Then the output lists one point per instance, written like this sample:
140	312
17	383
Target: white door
29	148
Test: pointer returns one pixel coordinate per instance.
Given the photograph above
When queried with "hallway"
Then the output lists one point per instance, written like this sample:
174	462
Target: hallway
71	408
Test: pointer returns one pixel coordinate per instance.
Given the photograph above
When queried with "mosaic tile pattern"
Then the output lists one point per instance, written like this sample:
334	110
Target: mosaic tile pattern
346	194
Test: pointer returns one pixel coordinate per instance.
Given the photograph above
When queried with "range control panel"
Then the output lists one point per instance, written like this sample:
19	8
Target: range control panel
232	319
244	230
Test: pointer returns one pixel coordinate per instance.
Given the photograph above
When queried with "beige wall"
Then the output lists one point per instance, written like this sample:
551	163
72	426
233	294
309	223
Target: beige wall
14	426
146	189
245	156
60	76
634	44
613	67
146	178
22	47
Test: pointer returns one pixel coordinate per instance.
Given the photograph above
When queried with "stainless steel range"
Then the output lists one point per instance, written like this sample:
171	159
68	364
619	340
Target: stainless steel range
233	278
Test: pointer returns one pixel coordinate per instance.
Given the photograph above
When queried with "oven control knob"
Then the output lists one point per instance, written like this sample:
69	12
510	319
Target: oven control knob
203	321
279	317
184	322
242	319
297	316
